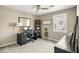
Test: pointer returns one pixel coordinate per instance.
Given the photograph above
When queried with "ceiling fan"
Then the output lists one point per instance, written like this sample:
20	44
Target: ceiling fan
42	7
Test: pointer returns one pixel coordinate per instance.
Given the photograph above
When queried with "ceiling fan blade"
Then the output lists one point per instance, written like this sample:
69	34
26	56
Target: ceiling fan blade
51	5
44	8
34	6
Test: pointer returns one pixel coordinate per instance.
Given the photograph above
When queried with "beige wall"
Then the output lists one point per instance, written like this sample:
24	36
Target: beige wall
71	17
7	32
78	10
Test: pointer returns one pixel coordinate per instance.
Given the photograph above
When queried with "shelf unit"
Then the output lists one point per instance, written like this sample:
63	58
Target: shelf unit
38	28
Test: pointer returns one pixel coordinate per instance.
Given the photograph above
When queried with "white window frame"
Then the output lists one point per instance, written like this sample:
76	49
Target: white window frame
56	20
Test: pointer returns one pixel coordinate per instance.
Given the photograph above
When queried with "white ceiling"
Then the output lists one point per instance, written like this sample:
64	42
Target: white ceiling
31	10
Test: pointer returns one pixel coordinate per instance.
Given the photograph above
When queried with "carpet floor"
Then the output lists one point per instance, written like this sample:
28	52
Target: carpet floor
38	46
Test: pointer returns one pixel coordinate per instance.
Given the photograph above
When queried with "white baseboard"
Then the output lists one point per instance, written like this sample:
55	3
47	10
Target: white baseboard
51	39
7	44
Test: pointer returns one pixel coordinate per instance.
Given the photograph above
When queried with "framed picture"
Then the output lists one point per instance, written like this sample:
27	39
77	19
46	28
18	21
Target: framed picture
23	21
47	22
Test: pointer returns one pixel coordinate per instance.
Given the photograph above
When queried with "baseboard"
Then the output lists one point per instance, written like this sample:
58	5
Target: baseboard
50	39
8	44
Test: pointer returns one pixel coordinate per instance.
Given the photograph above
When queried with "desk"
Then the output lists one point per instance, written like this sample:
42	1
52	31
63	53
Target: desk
26	36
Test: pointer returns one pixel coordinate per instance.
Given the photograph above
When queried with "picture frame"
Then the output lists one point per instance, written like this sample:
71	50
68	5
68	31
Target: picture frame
23	21
47	22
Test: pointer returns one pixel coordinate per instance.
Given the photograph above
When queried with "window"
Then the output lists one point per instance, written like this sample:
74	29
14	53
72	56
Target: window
60	23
